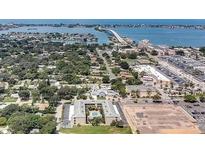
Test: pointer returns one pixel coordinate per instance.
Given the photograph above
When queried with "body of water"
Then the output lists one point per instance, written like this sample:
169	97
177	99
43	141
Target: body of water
158	36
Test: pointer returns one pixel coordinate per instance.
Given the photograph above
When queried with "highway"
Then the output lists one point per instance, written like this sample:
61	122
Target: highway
120	39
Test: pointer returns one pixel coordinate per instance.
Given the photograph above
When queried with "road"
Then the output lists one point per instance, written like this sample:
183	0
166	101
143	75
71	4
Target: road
165	97
112	76
65	119
123	118
58	116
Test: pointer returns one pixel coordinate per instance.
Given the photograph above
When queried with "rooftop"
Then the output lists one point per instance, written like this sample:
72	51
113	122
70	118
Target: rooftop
102	91
151	70
79	107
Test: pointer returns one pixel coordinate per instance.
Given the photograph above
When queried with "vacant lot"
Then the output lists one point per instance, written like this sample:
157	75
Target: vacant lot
96	130
159	118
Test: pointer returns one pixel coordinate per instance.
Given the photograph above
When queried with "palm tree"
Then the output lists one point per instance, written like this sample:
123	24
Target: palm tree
149	92
156	97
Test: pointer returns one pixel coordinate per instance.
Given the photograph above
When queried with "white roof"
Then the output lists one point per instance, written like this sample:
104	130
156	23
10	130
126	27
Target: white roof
108	109
151	70
71	112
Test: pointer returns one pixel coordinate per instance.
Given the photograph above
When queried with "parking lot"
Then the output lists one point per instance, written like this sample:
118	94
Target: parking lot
66	109
197	111
171	75
187	65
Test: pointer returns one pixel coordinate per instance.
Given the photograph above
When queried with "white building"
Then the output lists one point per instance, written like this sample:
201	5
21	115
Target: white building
158	78
103	92
80	114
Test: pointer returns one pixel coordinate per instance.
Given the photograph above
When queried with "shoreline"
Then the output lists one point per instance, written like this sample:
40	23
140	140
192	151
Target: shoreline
77	25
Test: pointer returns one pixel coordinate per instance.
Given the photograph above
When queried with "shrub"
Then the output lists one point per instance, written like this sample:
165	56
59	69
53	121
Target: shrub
190	98
3	121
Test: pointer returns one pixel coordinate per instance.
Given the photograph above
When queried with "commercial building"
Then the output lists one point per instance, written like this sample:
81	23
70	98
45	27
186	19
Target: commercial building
176	80
159	79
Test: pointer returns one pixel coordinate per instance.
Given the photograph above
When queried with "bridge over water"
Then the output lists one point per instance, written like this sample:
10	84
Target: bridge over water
116	35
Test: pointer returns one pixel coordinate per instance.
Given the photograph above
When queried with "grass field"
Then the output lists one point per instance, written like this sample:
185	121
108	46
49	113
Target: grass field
96	130
9	99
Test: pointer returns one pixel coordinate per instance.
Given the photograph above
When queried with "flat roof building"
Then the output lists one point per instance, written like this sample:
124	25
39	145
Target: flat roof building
151	70
103	107
159	78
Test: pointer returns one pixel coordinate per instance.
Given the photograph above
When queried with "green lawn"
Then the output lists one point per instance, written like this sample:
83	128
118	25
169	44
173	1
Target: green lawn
131	61
96	130
101	98
9	99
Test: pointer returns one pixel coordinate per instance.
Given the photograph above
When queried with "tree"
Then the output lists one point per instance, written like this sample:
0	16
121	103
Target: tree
116	84
156	97
133	81
106	55
124	65
117	123
35	96
123	55
96	121
106	79
154	53
24	94
135	74
3	121
116	70
103	67
53	101
115	54
100	60
130	81
149	93
202	98
2	89
49	128
22	124
45	119
67	92
132	55
202	50
190	98
25	108
113	123
82	97
180	52
48	91
9	110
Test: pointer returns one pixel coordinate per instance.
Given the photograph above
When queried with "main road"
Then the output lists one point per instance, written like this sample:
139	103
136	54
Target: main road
112	76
